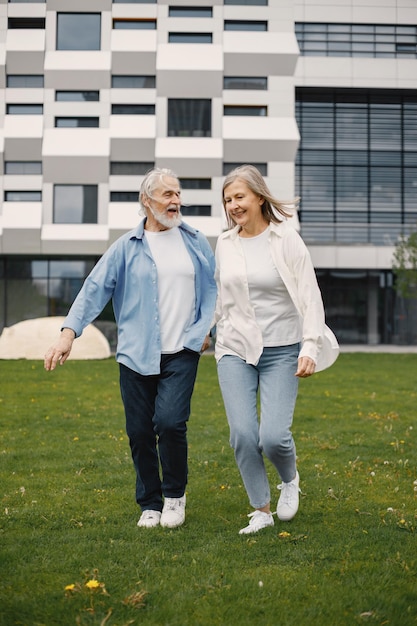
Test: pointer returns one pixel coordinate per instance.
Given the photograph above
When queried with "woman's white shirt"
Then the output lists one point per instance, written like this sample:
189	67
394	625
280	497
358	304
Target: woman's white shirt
274	310
238	330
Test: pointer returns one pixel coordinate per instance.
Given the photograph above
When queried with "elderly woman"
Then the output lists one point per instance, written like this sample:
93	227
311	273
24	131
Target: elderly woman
270	326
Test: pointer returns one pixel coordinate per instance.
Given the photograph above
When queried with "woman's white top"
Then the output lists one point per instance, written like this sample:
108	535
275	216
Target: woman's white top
274	310
176	290
239	331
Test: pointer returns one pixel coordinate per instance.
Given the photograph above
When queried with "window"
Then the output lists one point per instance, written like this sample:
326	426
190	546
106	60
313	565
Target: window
245	82
262	167
23	196
201	210
190	12
195	183
190	38
133	109
357	40
76	122
26	22
253	111
24	109
356	164
124	196
189	118
78	31
24	80
130	168
134	24
262	3
75	204
77	96
133	82
245	25
23	167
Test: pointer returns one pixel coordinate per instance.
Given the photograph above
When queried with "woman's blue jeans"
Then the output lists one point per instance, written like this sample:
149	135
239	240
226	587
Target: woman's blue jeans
270	433
157	409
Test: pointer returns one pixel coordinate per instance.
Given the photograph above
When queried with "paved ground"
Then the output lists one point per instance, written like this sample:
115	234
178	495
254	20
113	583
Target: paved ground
380	348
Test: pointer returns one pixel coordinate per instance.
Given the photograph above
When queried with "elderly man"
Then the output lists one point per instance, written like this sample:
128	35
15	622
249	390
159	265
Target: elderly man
160	278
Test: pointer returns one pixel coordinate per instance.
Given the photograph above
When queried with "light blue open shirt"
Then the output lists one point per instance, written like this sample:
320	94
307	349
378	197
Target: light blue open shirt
127	274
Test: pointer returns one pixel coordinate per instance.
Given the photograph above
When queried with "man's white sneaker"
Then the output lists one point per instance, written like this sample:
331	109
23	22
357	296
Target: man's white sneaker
259	520
149	519
173	513
288	501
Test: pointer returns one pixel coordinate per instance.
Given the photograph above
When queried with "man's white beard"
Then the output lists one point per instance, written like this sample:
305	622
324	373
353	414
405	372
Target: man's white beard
164	220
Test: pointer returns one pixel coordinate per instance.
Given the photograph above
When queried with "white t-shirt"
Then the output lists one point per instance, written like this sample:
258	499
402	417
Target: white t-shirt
275	312
176	289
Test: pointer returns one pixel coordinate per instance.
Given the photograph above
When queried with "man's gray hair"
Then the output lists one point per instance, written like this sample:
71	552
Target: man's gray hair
153	179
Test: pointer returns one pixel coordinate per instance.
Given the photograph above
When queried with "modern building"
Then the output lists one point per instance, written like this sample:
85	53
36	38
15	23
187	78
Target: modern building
321	96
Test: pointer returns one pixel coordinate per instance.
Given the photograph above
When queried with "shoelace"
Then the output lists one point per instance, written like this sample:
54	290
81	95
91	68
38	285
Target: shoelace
287	491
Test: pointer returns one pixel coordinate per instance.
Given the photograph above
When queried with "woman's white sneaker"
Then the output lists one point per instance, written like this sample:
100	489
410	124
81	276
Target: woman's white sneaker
288	501
259	520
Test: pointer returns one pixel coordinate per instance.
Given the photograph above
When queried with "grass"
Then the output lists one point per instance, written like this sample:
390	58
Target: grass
68	514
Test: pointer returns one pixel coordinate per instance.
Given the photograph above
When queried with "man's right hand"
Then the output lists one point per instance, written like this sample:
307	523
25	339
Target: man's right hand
60	351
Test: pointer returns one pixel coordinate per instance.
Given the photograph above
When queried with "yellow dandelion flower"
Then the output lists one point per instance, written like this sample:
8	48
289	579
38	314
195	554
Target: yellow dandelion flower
70	587
92	584
284	534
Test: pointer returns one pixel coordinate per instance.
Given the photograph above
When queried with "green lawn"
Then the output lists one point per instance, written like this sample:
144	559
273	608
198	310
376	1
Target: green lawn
68	514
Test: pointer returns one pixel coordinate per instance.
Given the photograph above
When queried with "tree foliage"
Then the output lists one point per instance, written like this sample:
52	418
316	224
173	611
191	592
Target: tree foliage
405	265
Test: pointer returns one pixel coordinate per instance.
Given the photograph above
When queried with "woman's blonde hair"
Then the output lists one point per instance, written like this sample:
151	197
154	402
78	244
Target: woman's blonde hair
272	208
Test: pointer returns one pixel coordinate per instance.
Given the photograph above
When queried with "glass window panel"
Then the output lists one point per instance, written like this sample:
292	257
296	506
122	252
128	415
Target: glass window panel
315	46
190	12
315	37
130	168
258	25
363	28
77	96
25	80
245	82
195	183
23	167
23	196
410	188
78	31
385	189
133	109
26	22
196	210
134	24
338	47
338	28
312	27
75	204
133	82
253	111
263	3
76	122
363	47
124	196
380	28
229	166
189	117
39	269
190	38
24	109
70	269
